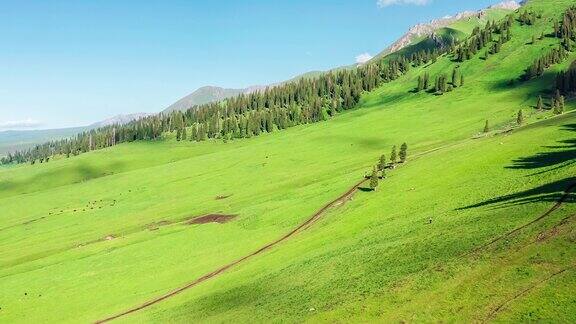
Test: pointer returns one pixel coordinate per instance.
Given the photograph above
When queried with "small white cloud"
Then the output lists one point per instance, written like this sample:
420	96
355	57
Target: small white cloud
363	58
386	3
19	124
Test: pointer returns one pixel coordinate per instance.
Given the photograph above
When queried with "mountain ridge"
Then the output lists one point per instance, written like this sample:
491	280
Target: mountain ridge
211	93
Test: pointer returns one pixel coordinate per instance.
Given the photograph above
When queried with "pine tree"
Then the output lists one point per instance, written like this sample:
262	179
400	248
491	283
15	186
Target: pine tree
382	163
520	117
455	77
420	86
403	152
540	104
559	106
374	179
557	95
486	127
393	155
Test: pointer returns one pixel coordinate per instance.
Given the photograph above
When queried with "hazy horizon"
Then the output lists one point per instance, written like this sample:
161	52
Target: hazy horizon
71	64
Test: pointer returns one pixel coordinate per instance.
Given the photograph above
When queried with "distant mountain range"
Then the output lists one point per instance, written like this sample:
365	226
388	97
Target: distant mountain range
206	95
210	94
119	120
12	140
420	36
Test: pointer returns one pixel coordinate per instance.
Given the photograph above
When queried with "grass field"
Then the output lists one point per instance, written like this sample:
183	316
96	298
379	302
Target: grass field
87	237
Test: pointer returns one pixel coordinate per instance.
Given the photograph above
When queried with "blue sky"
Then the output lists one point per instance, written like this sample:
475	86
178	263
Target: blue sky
71	63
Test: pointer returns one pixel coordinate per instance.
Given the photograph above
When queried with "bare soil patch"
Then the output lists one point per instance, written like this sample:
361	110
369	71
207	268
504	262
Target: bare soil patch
303	226
211	218
156	225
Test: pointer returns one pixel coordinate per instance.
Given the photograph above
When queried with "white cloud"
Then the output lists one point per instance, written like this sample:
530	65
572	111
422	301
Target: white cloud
386	3
363	58
18	124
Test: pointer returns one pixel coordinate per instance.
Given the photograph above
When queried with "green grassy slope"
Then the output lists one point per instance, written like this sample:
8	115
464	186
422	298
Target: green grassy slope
375	258
379	259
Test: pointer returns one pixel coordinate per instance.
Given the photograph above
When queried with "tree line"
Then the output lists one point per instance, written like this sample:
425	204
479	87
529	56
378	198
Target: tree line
442	83
554	56
482	38
379	170
301	102
565	30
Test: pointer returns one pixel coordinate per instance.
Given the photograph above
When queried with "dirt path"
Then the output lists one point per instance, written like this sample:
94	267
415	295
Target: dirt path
523	292
557	205
313	219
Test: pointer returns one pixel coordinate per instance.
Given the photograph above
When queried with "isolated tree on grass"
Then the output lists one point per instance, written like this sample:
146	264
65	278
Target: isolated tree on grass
420	86
558	105
403	152
455	77
540	104
426	81
393	155
486	127
374	179
382	164
520	117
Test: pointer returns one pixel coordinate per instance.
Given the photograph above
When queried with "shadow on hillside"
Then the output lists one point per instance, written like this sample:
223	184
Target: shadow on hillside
56	177
551	192
558	156
516	82
371	143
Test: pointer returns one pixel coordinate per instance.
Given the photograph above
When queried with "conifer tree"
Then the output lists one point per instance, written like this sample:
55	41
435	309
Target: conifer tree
455	78
393	155
559	105
382	163
540	104
520	117
403	152
374	179
420	85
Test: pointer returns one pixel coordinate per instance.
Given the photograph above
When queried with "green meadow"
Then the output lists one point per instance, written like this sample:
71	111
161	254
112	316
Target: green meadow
90	236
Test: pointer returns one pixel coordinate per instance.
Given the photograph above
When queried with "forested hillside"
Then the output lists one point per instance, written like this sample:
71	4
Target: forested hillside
438	186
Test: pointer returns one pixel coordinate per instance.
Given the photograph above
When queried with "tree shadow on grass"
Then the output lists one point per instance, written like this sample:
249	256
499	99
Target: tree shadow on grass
558	156
55	177
551	192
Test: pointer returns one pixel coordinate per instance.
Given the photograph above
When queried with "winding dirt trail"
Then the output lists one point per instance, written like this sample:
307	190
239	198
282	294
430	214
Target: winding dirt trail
523	292
306	224
557	205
